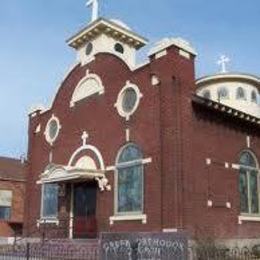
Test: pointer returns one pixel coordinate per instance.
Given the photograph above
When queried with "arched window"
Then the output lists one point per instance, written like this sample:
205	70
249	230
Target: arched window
206	94
248	183
254	96
129	199
241	95
223	93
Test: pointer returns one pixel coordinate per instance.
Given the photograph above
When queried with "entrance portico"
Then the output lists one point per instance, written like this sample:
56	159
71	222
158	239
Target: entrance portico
79	182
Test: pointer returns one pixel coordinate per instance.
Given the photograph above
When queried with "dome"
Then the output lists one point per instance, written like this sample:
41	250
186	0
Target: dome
120	23
239	91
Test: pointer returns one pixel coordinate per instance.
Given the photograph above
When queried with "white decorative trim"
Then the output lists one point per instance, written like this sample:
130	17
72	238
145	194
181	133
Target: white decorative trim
127	135
100	90
184	54
47	221
248	218
167	42
119	101
147	160
91	148
143	218
103	184
228	205
228	76
226	165
155	81
160	54
248	141
143	161
170	230
47	129
110	168
37	129
235	166
210	203
208	161
35	108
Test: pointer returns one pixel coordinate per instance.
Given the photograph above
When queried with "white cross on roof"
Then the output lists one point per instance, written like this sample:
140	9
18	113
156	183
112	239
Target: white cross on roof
223	63
94	4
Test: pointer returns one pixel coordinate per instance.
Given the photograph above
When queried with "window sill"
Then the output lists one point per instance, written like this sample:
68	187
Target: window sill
143	218
47	221
243	218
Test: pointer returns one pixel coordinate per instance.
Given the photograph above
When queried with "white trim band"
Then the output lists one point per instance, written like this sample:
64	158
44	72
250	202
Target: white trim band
47	221
143	218
248	218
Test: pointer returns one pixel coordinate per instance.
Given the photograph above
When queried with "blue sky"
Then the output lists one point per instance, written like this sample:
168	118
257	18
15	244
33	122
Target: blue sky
34	56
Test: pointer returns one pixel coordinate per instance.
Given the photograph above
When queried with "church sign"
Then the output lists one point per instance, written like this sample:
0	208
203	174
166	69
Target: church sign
138	246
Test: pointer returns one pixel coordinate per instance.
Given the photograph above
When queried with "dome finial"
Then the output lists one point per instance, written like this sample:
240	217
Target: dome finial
94	4
223	60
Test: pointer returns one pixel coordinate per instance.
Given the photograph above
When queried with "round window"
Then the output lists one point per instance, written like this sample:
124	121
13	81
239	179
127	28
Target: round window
119	48
129	100
52	129
89	48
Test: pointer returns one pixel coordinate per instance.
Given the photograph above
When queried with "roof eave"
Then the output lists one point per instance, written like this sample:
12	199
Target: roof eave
110	28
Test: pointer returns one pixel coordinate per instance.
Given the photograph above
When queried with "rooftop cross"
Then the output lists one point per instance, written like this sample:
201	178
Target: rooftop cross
94	4
223	63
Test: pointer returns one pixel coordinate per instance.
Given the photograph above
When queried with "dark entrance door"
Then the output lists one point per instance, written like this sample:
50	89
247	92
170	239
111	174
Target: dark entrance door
84	222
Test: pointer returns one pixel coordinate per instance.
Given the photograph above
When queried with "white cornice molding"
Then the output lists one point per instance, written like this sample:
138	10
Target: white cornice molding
228	76
167	42
106	26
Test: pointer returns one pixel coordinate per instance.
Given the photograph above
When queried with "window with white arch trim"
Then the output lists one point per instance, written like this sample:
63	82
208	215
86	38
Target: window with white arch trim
249	183
129	181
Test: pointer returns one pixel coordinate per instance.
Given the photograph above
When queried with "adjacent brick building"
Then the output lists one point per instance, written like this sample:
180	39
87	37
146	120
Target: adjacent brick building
12	196
143	148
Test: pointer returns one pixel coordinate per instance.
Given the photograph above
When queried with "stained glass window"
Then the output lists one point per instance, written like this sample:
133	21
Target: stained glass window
50	201
130	181
248	184
243	191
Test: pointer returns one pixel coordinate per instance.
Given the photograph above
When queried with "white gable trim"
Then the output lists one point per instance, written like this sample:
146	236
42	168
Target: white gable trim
77	96
91	148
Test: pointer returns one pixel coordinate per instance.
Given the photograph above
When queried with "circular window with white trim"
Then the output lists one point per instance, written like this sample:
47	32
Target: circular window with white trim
52	129
128	100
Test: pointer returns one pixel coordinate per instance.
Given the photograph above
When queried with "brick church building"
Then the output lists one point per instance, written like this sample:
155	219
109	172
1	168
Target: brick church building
127	147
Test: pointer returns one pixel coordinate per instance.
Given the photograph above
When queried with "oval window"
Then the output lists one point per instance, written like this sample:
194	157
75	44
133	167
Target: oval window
52	129
129	100
119	48
89	48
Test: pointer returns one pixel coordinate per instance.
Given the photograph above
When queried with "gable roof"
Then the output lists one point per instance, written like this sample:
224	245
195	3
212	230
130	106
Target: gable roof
12	169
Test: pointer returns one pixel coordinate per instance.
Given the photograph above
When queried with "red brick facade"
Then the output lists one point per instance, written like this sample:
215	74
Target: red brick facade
174	132
12	178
